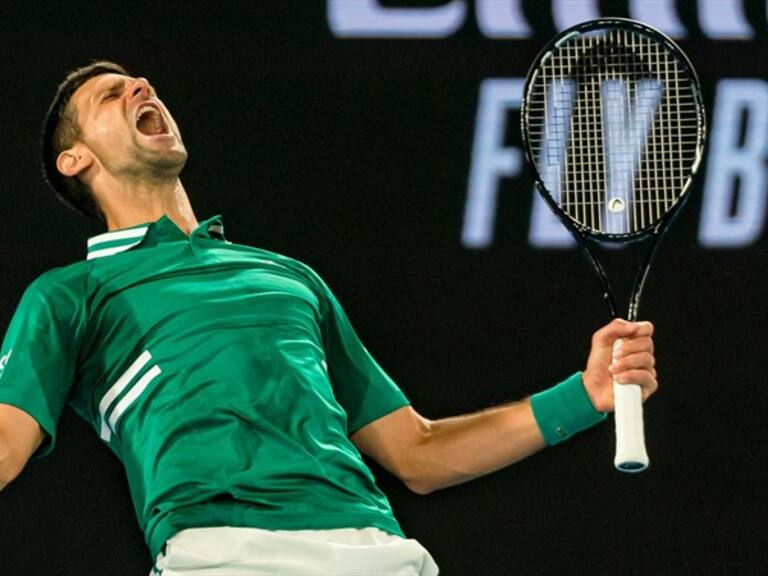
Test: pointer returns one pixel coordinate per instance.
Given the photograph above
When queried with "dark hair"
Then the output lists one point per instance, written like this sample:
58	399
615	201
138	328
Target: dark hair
61	130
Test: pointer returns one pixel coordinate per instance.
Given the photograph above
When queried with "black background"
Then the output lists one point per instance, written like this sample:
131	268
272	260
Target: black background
353	156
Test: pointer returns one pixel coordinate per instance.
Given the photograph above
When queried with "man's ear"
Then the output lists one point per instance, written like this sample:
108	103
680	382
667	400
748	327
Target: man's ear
73	161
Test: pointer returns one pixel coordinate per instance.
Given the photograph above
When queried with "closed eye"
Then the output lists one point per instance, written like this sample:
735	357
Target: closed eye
109	96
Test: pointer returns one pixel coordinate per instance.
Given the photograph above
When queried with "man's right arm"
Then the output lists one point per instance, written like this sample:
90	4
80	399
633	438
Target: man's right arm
20	436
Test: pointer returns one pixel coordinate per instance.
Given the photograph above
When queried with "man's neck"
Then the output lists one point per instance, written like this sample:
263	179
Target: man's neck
130	204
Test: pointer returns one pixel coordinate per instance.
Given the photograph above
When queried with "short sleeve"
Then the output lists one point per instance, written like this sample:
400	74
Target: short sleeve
38	356
361	386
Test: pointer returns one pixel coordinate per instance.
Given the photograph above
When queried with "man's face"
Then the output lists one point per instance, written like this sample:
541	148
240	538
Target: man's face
127	128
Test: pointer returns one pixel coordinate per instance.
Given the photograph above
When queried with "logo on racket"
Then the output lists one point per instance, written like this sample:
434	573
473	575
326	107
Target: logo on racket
616	205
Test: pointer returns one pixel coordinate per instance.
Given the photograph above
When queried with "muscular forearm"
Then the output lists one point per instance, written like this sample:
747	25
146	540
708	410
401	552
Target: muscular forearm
458	449
453	450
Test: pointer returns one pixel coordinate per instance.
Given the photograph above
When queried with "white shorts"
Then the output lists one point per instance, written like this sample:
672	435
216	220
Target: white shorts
224	551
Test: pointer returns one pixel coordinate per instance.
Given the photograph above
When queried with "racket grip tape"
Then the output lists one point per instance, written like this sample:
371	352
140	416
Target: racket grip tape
631	455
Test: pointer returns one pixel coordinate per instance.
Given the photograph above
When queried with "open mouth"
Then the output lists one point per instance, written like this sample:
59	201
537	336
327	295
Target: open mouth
150	122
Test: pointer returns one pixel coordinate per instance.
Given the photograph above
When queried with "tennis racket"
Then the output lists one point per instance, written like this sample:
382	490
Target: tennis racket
613	126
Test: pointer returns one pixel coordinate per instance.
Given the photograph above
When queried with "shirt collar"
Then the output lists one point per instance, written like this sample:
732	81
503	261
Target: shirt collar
117	241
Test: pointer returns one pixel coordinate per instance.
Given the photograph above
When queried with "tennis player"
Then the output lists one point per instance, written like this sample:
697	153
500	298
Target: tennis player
228	380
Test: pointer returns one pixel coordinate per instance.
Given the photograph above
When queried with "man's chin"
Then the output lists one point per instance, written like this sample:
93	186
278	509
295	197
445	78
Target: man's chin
167	161
163	146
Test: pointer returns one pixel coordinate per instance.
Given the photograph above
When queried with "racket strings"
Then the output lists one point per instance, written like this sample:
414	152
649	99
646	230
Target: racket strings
614	126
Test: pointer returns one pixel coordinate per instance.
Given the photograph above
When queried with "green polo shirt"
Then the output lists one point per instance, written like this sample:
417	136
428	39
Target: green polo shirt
227	380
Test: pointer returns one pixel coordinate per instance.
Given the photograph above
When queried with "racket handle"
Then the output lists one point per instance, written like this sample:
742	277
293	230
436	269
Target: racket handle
630	437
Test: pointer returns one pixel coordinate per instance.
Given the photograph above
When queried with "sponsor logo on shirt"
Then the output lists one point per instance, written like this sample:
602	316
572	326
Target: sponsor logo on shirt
4	361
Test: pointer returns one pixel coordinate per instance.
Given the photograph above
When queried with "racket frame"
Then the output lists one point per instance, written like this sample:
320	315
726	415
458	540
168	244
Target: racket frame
584	234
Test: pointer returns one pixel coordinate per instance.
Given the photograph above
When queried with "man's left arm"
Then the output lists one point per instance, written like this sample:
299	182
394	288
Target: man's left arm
428	455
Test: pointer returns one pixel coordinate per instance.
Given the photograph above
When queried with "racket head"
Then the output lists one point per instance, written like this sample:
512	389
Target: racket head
613	127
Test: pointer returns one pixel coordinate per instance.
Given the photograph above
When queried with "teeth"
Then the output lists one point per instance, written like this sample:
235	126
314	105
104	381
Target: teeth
144	109
158	123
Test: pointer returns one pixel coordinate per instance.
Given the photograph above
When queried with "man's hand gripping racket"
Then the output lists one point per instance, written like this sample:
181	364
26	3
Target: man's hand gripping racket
621	368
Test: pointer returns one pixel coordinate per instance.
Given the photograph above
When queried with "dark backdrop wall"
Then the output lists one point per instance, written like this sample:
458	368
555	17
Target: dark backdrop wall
365	138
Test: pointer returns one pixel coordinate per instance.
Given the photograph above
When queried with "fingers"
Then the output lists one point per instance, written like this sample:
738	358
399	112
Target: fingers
644	378
619	328
636	361
622	352
633	346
